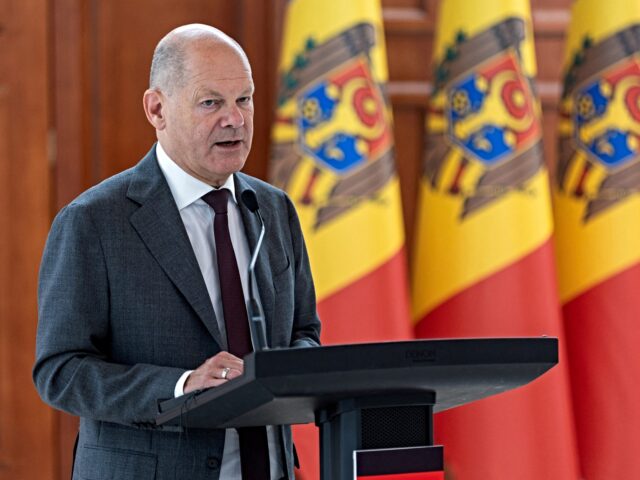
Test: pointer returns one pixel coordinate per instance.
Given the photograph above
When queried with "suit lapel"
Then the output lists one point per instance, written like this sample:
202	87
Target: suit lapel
160	227
263	268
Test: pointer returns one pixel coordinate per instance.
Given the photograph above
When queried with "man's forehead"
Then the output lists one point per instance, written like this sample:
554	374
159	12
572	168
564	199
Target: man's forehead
217	64
211	78
208	51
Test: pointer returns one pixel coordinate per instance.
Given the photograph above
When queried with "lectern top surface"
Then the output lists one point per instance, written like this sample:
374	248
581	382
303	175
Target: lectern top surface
290	385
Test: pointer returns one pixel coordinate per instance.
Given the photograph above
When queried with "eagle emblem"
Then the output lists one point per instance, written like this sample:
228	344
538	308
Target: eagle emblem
341	122
600	151
489	137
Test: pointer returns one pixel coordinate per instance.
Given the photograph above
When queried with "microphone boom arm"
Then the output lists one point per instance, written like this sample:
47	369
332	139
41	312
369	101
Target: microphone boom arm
256	317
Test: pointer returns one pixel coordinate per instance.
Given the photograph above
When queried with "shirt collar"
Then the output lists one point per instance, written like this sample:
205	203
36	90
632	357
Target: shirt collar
185	188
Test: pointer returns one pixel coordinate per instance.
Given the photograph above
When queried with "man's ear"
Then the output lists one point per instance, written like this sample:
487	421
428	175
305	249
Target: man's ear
153	103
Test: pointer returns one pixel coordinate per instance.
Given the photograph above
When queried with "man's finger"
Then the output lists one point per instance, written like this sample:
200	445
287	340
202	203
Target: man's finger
234	373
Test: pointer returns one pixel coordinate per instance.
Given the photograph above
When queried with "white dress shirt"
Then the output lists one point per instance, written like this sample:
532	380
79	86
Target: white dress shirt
197	217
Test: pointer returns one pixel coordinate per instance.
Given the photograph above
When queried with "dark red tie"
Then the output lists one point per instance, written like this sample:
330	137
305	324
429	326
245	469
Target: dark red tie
254	449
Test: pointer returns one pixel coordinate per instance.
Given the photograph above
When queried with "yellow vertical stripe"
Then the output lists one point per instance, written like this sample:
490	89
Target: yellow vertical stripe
323	19
598	19
471	17
588	254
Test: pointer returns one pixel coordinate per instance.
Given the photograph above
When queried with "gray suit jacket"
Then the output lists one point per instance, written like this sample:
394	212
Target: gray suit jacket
124	311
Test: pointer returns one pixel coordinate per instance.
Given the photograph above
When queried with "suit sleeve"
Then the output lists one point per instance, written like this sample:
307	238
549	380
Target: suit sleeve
72	371
306	324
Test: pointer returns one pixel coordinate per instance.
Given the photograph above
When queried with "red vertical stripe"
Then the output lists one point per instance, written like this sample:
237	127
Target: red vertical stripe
371	309
527	433
603	342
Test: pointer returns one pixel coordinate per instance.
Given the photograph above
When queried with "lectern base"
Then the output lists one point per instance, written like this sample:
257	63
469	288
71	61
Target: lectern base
413	463
372	426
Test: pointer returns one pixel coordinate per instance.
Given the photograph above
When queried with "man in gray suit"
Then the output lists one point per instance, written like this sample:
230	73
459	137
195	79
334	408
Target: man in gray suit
133	302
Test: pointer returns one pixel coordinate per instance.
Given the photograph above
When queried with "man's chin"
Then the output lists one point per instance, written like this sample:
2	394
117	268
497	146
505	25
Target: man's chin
224	168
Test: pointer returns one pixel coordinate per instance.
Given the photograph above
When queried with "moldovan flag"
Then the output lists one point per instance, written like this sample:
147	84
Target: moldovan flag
333	153
597	209
484	260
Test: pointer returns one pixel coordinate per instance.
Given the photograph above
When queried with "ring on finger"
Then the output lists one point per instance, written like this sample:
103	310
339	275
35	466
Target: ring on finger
225	373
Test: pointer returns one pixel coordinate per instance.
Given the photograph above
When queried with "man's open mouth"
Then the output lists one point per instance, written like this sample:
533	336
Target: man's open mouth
230	143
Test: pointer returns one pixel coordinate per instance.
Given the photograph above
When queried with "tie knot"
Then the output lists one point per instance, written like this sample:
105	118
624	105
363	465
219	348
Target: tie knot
217	199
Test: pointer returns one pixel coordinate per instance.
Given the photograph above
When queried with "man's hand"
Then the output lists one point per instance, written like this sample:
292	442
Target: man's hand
214	372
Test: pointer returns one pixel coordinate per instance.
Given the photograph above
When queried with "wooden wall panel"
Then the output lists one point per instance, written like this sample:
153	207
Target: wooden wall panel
26	425
408	129
409	30
256	32
550	21
71	100
5	242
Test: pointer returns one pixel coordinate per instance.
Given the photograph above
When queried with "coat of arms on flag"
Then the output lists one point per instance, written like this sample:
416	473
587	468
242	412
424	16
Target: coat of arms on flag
600	145
488	142
341	123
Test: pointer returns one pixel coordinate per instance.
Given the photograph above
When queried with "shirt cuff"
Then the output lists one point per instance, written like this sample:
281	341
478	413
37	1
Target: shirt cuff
179	390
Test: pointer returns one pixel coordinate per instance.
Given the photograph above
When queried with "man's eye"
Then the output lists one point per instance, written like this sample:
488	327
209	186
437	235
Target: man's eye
244	100
208	103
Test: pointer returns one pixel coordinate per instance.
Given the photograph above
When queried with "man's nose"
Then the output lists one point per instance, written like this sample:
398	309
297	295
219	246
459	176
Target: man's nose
233	117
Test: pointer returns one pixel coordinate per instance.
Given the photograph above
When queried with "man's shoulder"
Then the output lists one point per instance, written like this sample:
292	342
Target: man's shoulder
108	191
98	207
114	190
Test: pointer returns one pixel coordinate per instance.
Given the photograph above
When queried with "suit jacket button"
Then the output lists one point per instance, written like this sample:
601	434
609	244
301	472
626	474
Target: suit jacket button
213	463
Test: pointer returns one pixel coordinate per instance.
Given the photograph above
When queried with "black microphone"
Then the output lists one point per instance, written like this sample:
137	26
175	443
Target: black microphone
256	318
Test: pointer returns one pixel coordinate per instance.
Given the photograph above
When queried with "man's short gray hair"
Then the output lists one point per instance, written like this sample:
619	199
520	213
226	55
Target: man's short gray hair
167	66
168	62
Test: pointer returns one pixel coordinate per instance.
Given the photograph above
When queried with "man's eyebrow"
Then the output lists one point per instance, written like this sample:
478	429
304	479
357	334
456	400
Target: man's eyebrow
215	93
248	91
209	92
